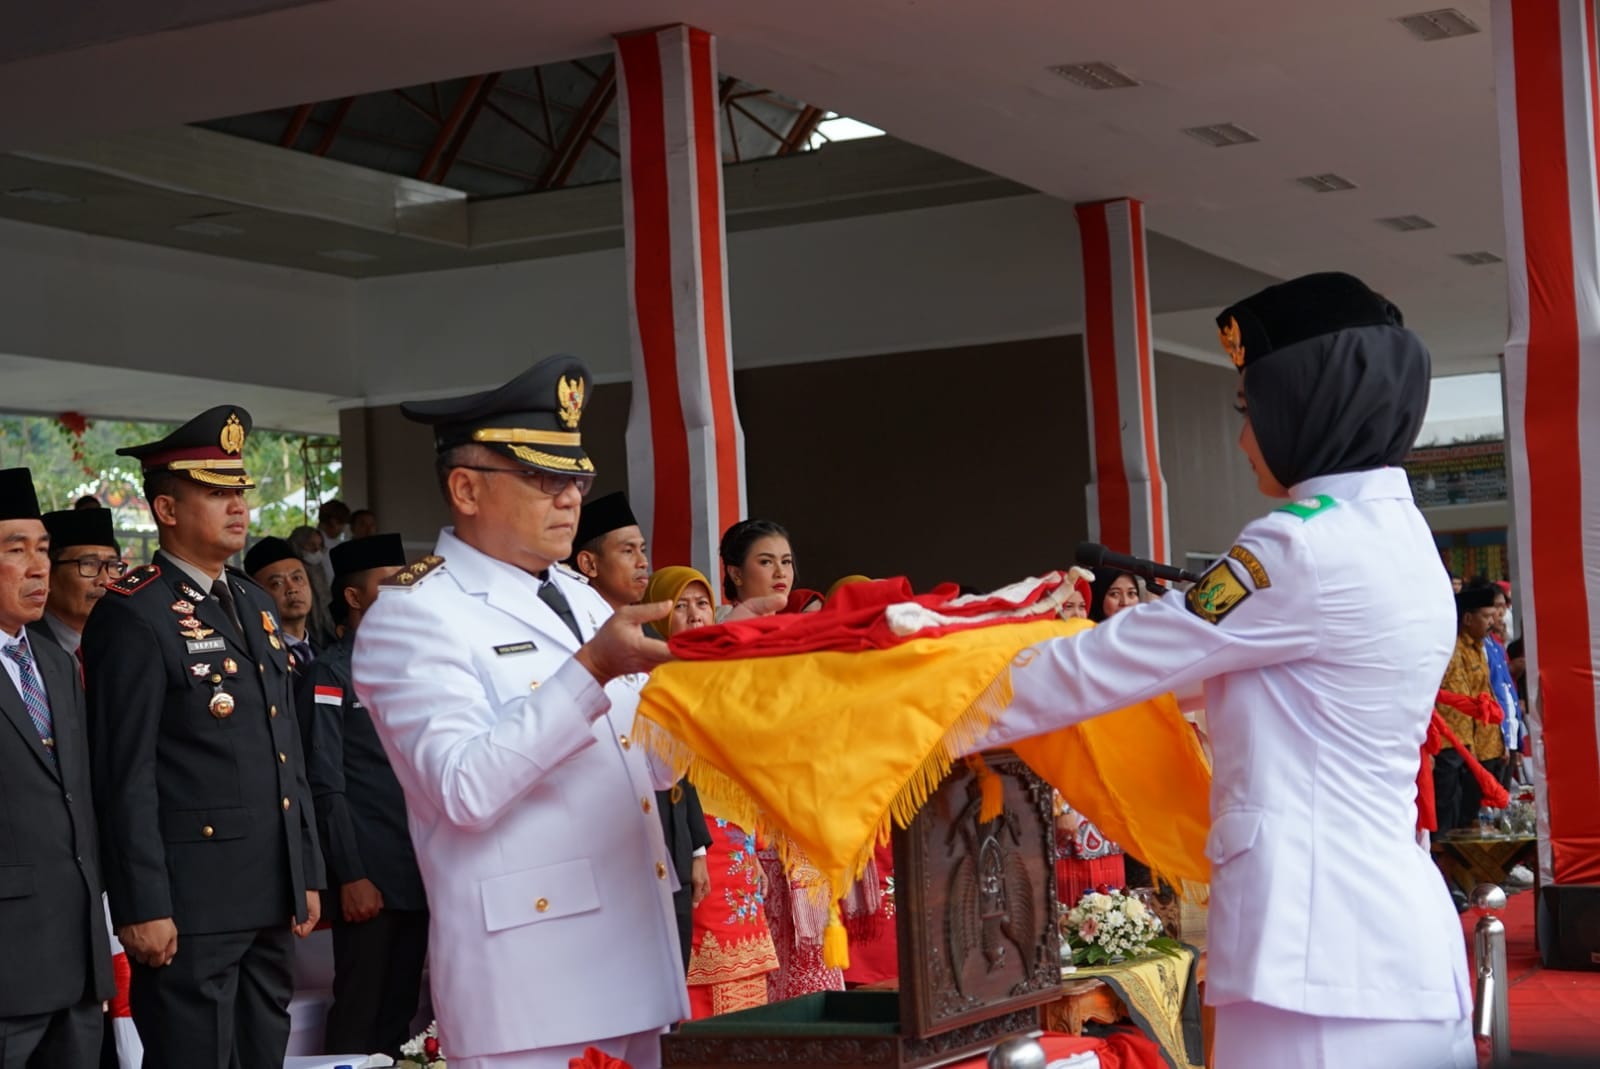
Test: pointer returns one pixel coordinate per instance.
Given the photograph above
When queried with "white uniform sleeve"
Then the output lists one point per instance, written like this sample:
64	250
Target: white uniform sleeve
453	742
1254	608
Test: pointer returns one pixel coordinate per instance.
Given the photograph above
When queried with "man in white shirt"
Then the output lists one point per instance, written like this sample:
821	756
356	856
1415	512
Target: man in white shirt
496	682
1321	637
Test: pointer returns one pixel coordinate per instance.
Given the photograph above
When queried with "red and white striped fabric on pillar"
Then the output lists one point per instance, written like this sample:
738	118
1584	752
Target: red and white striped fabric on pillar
1128	496
685	445
1548	94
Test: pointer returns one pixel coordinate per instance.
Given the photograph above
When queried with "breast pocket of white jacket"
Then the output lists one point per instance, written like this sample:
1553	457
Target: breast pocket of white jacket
534	896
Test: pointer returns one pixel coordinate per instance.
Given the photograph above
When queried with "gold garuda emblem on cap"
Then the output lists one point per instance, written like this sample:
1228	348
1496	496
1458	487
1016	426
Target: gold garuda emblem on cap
1232	343
232	437
569	392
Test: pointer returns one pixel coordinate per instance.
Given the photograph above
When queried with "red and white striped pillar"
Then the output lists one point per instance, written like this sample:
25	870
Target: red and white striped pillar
1546	77
685	445
1128	497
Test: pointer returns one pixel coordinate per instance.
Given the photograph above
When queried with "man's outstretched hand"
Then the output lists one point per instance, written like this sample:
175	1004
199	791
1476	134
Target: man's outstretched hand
762	606
621	647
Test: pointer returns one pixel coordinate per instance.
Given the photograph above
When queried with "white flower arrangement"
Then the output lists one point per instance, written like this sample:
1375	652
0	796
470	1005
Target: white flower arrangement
1107	926
423	1051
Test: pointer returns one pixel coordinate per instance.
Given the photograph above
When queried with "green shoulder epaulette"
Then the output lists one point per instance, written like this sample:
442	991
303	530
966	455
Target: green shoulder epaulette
1311	507
415	572
135	579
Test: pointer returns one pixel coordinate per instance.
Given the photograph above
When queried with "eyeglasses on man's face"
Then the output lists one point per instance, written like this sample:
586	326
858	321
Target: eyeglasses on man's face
553	483
89	567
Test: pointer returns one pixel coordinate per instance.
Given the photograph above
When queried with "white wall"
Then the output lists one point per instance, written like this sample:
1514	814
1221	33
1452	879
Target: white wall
903	282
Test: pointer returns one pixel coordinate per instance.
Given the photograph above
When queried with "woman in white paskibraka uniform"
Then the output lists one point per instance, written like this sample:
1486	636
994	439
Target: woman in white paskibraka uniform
1321	638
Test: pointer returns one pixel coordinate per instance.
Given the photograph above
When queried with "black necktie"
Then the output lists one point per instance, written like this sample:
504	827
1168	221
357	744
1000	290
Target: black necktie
553	597
224	596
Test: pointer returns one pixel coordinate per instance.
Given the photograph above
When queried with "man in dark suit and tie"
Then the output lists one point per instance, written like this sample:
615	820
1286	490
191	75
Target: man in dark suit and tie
380	914
51	923
210	840
84	560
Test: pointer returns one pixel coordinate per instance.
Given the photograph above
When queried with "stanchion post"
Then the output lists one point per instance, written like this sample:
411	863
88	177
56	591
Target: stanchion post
1491	1018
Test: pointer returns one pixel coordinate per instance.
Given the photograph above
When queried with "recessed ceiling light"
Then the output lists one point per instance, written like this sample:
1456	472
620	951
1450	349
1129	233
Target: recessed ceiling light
1326	183
1477	259
43	196
1222	134
207	229
349	256
1094	75
1407	223
1440	25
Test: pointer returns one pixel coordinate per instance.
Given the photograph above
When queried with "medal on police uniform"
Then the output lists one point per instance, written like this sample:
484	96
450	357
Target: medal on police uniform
197	633
229	665
222	704
182	608
270	626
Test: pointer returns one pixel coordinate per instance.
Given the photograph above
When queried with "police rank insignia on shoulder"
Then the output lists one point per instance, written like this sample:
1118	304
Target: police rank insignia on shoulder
135	579
415	572
1217	593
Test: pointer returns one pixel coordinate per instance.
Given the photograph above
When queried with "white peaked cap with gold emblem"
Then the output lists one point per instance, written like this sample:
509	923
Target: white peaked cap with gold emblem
533	418
209	449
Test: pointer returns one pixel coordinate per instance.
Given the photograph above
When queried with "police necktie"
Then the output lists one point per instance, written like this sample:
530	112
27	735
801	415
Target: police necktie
33	695
224	596
551	595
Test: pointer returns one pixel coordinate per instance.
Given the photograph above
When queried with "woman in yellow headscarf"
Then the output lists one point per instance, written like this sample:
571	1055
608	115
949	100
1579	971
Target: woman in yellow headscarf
732	950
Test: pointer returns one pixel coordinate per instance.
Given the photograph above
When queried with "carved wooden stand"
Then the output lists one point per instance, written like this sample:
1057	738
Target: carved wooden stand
979	953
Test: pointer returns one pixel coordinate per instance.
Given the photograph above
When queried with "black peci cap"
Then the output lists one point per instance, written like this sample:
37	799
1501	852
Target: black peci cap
1295	311
17	499
364	554
268	551
81	527
532	419
209	449
602	516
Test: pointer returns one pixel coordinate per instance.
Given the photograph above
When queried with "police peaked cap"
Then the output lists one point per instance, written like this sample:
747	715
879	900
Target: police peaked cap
17	499
81	527
1302	308
364	554
209	449
532	419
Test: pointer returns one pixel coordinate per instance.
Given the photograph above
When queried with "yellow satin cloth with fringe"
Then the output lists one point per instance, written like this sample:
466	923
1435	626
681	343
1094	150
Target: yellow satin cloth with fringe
821	751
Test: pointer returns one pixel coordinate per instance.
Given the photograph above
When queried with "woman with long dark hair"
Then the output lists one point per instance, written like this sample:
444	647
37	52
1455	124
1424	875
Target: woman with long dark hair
758	560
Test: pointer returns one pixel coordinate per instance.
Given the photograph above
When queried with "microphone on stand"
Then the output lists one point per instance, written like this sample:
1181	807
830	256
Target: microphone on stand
1093	555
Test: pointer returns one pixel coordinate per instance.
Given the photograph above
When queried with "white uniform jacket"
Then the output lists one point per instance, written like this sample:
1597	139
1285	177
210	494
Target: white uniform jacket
1322	639
531	811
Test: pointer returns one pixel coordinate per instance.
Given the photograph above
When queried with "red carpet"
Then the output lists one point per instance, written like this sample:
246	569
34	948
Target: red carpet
1552	1012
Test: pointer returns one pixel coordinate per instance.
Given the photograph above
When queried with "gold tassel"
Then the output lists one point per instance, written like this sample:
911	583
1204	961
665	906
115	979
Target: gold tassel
835	940
990	788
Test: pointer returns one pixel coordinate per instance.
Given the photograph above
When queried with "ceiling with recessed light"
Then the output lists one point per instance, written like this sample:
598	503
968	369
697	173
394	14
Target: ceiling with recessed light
1284	137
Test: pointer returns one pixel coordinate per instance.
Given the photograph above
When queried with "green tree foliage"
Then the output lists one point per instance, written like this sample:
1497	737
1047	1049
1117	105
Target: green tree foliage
66	466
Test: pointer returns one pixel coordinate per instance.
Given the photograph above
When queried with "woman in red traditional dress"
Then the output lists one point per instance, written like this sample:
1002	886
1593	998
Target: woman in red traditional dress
758	560
731	950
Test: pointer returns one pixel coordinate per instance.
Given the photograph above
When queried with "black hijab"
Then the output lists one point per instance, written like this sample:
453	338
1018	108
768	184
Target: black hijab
1333	379
1103	578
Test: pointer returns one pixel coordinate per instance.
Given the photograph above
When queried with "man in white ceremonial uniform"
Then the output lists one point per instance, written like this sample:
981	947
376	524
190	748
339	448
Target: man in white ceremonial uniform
1321	637
495	679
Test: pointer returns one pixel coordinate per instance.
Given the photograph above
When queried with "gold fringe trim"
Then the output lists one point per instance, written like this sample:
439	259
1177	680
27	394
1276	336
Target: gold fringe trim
721	793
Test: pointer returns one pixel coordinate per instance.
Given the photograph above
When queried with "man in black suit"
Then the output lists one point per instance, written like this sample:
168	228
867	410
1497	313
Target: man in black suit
84	560
380	919
51	923
209	837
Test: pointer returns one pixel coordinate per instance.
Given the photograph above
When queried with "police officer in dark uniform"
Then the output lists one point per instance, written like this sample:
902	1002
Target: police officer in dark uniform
378	906
58	960
209	839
